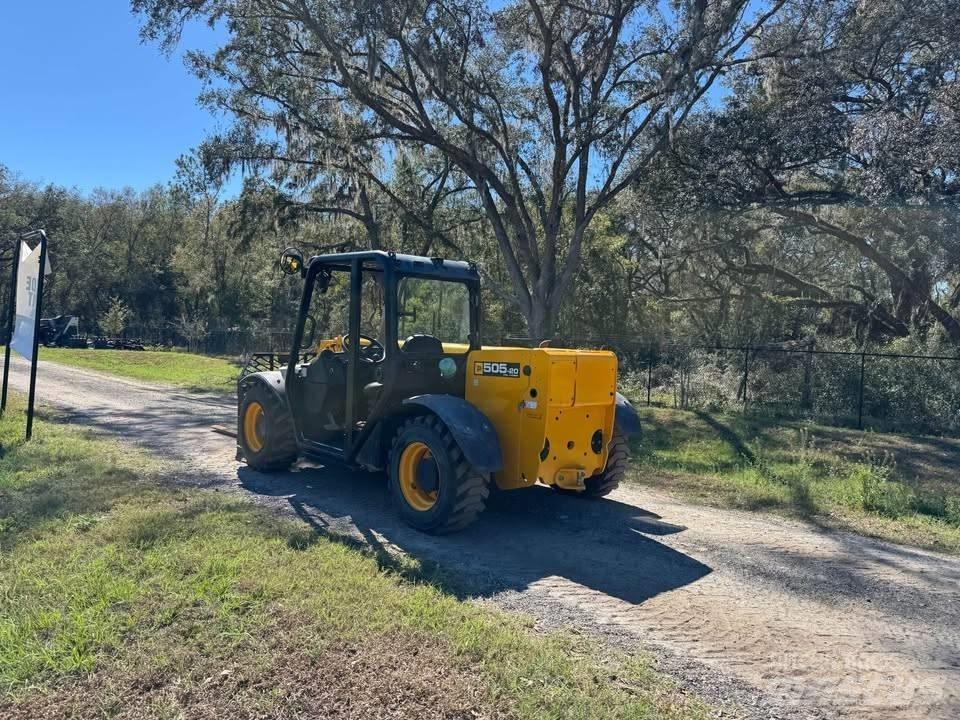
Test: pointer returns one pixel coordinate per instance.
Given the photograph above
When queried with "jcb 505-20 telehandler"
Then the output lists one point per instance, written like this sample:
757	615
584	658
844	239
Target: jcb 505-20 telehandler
407	388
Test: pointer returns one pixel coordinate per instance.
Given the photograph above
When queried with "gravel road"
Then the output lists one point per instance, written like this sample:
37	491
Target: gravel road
771	617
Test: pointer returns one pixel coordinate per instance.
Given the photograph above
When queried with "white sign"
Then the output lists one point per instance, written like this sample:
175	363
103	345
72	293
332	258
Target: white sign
28	279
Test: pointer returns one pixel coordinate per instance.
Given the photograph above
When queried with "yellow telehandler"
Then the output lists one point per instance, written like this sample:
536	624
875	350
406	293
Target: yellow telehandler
408	389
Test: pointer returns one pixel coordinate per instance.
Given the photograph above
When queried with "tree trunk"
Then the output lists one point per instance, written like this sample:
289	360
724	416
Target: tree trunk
541	320
370	223
806	400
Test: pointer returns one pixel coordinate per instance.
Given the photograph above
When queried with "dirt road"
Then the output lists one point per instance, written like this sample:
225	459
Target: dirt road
780	618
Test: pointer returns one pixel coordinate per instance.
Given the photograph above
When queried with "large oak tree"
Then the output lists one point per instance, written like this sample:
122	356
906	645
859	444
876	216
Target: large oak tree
548	110
840	170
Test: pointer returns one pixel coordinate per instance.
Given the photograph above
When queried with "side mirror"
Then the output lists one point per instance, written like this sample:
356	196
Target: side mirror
291	262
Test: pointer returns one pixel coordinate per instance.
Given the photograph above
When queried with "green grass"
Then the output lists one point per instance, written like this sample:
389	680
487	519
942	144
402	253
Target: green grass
121	596
897	488
192	372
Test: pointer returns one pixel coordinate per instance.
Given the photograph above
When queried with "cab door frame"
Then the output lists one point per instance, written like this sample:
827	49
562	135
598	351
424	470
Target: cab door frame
356	267
358	263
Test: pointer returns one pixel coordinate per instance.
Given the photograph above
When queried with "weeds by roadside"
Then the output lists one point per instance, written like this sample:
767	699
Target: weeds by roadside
840	477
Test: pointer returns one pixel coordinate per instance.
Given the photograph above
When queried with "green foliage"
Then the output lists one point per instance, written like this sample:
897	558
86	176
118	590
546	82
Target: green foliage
881	494
842	477
115	319
193	329
573	155
902	394
534	118
817	196
161	254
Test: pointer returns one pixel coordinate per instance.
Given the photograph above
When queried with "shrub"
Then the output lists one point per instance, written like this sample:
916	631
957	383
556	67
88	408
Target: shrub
115	319
633	385
881	494
952	511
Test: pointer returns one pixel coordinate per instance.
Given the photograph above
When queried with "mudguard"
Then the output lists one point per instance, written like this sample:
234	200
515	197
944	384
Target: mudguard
471	429
626	420
273	379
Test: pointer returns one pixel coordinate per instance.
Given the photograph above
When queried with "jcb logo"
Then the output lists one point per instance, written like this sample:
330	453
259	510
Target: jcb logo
499	369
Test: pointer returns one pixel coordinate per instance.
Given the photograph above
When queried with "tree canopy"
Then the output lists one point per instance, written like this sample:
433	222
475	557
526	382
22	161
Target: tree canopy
543	112
831	178
706	169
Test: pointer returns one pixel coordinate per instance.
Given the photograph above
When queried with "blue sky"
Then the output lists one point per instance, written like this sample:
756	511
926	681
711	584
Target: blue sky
85	104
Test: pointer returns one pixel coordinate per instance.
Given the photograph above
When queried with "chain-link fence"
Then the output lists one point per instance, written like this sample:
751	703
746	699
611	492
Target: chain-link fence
865	389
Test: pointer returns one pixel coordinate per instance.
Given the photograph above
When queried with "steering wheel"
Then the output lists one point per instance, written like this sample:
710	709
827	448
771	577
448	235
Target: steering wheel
372	352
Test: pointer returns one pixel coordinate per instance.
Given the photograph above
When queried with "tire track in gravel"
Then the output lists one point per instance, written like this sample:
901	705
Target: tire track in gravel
776	617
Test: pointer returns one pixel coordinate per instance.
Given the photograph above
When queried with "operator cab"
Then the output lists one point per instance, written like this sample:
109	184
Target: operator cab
414	320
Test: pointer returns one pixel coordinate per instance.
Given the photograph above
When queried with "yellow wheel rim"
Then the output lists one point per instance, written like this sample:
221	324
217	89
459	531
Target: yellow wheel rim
410	459
253	426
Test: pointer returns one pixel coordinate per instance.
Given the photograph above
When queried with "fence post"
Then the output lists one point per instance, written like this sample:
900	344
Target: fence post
863	366
649	375
746	373
806	398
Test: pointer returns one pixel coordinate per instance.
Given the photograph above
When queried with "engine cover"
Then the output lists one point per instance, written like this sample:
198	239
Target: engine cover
553	410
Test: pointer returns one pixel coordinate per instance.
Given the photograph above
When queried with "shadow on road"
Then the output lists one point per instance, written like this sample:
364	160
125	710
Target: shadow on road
525	536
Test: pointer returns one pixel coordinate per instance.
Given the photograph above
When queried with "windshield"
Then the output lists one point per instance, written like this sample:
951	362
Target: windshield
440	308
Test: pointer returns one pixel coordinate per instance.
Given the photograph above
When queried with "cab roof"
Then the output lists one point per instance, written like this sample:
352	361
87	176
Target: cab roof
405	264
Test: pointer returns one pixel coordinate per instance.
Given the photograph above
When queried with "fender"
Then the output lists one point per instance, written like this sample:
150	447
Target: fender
471	429
626	419
273	379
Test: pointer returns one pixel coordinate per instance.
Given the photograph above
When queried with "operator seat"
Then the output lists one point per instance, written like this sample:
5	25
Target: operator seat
422	343
420	372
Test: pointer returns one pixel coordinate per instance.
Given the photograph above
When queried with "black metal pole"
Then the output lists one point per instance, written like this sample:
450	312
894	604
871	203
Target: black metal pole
11	318
649	376
746	373
353	352
863	364
806	395
36	333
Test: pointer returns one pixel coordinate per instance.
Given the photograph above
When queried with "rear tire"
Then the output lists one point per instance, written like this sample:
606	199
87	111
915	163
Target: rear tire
452	494
608	479
265	430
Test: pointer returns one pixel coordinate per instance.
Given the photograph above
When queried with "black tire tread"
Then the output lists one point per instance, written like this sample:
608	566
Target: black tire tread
472	488
280	451
608	479
618	460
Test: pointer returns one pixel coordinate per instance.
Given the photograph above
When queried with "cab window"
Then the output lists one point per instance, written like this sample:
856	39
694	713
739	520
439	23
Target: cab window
330	308
440	308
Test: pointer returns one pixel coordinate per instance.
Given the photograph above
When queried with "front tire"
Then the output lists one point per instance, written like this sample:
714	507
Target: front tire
265	430
432	485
